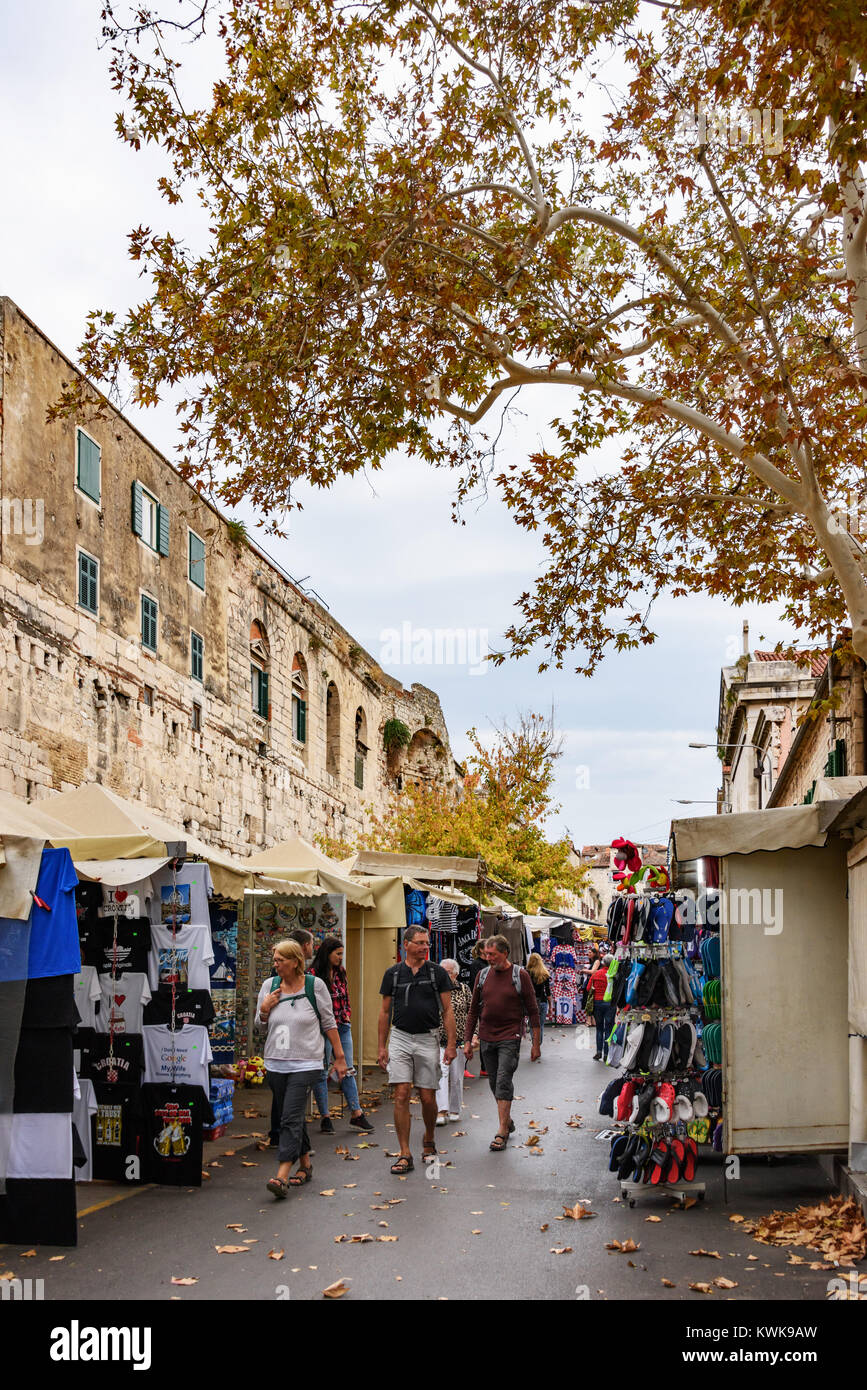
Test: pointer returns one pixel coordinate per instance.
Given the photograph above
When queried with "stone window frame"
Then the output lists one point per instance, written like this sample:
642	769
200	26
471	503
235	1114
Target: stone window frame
143	594
300	696
200	679
94	501
79	551
199	588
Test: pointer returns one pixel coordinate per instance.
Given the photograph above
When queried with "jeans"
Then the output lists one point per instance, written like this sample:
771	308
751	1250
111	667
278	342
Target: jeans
347	1085
543	1009
500	1061
604	1019
289	1089
450	1092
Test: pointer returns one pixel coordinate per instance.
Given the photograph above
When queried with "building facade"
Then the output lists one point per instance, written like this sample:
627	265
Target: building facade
146	643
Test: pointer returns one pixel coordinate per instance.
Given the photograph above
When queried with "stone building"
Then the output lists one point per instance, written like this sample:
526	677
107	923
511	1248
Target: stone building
146	643
776	738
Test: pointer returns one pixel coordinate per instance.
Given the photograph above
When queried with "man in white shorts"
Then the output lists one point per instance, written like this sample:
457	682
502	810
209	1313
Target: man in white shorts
416	1000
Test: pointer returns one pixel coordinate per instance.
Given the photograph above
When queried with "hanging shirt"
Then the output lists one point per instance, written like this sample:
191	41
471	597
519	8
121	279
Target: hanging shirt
116	1132
48	1003
130	900
87	994
181	1057
119	945
121	1003
115	1059
174	1118
182	958
43	1072
41	1146
48	940
84	1108
184	899
191	1006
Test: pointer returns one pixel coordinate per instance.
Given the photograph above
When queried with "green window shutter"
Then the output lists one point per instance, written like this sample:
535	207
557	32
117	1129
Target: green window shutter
197	657
88	583
136	509
197	560
264	693
301	732
148	623
87	471
163	530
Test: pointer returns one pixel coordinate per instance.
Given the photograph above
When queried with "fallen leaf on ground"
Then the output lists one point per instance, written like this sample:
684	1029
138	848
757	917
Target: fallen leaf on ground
736	1219
531	1140
232	1249
328	1192
52	1258
213	1164
7	1274
336	1290
251	1240
722	1283
350	1184
578	1212
207	1175
379	1206
653	1218
236	1226
387	1238
276	1254
690	1202
185	1282
752	1257
27	1254
701	1288
545	1227
458	1133
475	1233
254	1114
668	1284
394	1201
836	1227
248	1163
228	1153
711	1254
338	1239
561	1249
535	1153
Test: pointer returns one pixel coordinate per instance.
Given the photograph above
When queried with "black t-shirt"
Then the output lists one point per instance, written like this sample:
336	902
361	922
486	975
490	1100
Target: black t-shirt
416	1006
133	945
49	1003
43	1072
191	1006
117	1128
174	1117
117	1062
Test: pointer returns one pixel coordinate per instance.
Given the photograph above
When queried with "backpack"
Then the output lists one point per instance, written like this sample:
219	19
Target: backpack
433	980
310	994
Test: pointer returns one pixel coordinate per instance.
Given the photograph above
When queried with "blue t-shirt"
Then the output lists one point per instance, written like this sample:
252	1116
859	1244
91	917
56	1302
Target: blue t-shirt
49	939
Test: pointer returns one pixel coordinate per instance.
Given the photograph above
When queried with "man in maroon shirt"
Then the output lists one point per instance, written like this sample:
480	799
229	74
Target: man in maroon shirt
503	994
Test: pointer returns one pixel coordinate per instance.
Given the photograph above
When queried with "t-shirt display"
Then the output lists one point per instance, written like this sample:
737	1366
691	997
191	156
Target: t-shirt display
182	897
50	934
416	1006
173	1120
86	990
116	1060
182	958
83	1110
181	1057
49	1003
191	1006
130	900
122	1002
44	1072
120	944
116	1132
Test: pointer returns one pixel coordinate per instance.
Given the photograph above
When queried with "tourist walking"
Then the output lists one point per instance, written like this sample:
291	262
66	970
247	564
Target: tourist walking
328	966
503	994
603	1012
417	1003
296	1009
450	1093
304	939
541	977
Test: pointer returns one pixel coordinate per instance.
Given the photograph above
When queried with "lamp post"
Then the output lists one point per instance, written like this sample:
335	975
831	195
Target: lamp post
761	754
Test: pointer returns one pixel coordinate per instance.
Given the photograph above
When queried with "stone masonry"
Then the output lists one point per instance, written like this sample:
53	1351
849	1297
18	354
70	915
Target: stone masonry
82	699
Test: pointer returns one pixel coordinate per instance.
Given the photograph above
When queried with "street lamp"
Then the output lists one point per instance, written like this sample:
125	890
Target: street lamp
761	754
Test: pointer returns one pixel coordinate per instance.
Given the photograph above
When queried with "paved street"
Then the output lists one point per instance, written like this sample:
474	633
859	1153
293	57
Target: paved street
132	1248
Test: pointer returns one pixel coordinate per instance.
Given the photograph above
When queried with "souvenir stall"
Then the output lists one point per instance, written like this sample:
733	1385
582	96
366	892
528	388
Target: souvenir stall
566	952
452	918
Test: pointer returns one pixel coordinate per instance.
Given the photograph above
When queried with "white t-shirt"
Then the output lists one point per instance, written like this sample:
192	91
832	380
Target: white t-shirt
181	1057
188	901
83	1107
127	900
85	987
41	1146
121	1002
183	959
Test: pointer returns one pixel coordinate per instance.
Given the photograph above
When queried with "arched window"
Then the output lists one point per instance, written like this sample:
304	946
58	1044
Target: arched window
299	698
360	746
260	669
332	730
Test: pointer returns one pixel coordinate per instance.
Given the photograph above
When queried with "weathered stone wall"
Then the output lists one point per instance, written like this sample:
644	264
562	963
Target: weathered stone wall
796	780
74	688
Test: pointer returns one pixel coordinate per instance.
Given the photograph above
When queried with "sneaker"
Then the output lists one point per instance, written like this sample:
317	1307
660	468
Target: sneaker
483	1073
468	1076
597	1056
442	1119
327	1126
453	1117
362	1122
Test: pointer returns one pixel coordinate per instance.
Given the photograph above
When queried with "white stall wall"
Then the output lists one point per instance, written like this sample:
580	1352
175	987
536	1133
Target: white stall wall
784	1000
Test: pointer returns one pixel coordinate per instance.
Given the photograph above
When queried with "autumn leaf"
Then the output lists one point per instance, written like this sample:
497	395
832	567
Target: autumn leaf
722	1283
668	1284
27	1254
361	1239
337	1289
711	1254
653	1218
701	1288
387	1238
276	1254
52	1259
561	1249
232	1249
578	1212
328	1192
236	1226
545	1227
185	1281
247	1163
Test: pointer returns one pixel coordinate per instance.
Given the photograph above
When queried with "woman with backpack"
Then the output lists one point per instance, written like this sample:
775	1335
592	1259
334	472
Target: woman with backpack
296	1009
328	966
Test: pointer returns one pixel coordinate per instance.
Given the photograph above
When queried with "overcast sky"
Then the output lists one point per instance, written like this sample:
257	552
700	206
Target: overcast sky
382	552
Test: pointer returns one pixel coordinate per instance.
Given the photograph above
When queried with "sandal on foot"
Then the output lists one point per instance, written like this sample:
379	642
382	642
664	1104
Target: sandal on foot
299	1178
276	1186
429	1152
403	1165
498	1143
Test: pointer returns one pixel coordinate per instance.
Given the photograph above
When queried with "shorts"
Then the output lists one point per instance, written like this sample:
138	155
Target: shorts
500	1061
414	1058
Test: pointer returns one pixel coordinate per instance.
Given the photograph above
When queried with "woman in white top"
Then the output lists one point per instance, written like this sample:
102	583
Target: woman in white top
297	1015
